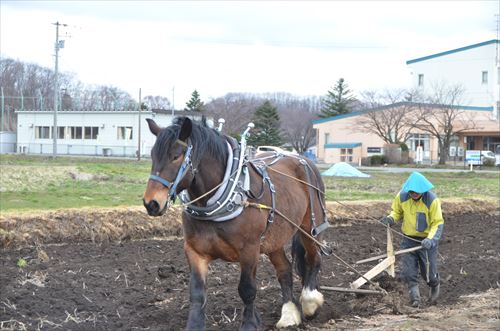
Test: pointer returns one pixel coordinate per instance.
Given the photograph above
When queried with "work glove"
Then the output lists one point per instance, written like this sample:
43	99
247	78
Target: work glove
388	220
428	243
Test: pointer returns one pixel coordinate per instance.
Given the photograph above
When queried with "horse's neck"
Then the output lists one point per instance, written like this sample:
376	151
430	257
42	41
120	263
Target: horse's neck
209	174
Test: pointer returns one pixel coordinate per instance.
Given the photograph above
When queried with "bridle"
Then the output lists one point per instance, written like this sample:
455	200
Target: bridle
172	186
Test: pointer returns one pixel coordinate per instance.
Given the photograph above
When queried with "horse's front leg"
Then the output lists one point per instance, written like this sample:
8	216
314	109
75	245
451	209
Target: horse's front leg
197	289
247	288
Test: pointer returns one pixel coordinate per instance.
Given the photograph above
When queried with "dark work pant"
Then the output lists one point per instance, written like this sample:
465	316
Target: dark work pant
414	261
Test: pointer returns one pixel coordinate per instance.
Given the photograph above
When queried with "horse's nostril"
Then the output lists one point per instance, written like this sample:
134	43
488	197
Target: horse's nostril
153	207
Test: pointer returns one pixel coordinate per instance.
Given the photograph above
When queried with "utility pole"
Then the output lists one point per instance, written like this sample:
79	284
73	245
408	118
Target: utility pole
59	44
139	129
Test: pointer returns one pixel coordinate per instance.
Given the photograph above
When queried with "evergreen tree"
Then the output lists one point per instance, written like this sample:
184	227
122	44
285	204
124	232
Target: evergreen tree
195	103
339	100
267	126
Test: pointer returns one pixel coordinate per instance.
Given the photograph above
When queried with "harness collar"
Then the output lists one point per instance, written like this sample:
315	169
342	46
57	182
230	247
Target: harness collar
228	201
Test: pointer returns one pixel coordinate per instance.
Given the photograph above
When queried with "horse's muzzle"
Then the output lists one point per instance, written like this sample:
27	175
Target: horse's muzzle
153	207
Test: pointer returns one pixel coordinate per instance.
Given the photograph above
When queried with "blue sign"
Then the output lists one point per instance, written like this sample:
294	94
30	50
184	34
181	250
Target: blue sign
473	157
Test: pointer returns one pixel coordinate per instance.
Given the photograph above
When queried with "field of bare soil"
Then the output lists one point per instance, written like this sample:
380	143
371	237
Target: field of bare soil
118	269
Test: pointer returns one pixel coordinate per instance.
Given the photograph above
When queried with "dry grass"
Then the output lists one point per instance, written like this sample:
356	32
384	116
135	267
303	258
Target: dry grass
85	225
132	223
32	178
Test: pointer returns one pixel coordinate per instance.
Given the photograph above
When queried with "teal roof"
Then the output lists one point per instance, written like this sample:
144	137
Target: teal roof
338	117
397	104
461	49
343	145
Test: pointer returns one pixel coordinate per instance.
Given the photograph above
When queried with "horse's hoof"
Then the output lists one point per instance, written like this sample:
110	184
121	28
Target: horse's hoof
290	316
252	323
310	301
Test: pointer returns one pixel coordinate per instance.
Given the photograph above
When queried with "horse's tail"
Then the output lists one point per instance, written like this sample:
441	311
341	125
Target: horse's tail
299	255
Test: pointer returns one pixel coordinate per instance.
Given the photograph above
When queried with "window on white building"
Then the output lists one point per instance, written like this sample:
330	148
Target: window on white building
61	132
43	132
327	138
124	133
91	132
420	79
484	77
75	132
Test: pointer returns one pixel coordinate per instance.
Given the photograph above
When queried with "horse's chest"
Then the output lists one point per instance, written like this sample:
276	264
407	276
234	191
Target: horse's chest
215	242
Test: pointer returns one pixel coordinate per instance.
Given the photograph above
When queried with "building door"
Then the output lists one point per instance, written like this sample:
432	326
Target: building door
471	143
422	140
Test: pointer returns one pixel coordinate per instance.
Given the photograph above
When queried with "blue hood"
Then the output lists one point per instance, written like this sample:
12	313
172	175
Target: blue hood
417	183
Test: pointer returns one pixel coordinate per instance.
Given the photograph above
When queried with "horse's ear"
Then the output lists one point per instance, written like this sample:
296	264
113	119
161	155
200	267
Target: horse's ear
186	128
153	127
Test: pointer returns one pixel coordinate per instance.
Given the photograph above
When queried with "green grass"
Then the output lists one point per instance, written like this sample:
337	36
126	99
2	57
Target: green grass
385	185
28	182
36	182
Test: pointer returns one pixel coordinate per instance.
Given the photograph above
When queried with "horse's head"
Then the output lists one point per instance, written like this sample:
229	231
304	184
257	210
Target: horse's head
171	160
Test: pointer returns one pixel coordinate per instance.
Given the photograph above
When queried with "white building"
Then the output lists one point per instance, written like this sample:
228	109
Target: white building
475	67
104	133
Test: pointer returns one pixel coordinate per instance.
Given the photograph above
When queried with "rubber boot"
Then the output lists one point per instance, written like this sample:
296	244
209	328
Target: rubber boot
434	294
414	296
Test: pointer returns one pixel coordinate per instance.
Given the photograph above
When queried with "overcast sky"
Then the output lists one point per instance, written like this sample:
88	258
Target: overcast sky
217	47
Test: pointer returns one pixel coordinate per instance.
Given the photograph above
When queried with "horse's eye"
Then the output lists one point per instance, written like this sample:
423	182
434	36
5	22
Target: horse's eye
177	157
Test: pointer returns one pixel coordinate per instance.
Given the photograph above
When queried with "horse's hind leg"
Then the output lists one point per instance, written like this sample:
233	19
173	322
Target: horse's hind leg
197	289
308	262
290	315
247	288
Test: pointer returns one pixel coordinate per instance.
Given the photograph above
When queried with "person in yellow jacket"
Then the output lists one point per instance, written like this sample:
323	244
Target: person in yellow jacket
419	209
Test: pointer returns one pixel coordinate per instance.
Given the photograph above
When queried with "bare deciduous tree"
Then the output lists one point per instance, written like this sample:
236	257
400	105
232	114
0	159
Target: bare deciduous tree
157	102
236	109
441	115
296	114
388	115
298	129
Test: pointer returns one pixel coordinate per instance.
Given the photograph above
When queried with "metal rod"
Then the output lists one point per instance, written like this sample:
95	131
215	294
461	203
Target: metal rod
378	257
349	290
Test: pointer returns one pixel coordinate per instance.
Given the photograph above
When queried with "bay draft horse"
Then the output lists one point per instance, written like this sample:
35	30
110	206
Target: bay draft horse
243	238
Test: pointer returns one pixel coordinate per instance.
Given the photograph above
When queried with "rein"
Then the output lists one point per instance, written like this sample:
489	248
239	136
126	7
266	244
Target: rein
368	217
324	247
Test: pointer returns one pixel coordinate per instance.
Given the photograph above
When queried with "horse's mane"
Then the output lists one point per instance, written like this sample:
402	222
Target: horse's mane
204	139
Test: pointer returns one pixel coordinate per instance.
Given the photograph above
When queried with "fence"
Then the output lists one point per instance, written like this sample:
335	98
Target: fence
75	149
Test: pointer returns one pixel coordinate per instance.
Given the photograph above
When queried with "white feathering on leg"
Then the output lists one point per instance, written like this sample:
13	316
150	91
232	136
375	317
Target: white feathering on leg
290	316
310	301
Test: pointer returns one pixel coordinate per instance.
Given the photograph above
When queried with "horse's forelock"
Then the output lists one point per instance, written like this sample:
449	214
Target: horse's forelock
203	138
164	140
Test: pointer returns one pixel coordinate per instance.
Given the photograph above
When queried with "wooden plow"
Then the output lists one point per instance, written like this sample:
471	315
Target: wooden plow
387	264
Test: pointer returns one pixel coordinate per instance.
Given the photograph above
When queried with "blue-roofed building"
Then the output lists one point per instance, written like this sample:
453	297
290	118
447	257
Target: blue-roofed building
475	67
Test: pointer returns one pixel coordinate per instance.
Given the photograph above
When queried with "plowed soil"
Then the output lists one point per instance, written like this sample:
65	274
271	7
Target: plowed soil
133	284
